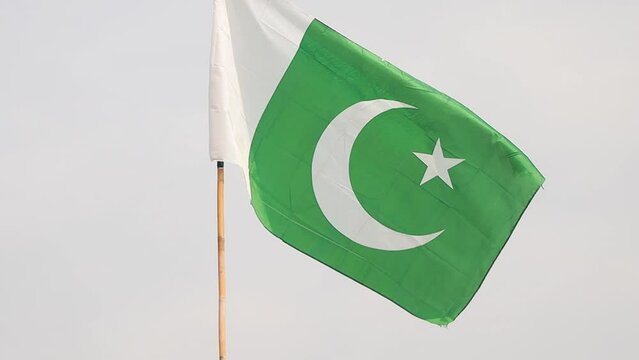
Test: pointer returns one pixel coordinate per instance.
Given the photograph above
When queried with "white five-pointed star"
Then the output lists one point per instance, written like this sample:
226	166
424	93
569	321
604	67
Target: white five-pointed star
437	165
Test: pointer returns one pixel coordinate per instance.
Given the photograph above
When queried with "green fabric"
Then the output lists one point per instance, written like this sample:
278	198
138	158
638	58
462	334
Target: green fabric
492	187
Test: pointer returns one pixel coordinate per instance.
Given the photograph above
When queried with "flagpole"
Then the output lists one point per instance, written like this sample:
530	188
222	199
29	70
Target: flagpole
221	272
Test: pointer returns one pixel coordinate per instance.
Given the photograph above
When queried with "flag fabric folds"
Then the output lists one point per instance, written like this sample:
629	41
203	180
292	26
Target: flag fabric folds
358	164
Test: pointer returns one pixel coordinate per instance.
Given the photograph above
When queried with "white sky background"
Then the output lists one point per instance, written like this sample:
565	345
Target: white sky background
107	230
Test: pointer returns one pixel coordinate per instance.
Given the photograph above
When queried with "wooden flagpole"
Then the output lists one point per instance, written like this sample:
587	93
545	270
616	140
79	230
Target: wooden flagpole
221	272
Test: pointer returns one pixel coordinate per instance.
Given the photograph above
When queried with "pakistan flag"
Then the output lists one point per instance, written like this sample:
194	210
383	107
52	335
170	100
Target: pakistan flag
359	165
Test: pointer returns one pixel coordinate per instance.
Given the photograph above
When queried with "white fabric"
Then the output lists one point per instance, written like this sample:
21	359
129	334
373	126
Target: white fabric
253	43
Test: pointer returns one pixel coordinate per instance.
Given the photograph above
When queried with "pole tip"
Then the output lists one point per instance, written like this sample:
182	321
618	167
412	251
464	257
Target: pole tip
220	164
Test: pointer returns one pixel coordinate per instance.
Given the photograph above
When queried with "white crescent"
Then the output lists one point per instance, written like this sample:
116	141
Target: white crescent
332	184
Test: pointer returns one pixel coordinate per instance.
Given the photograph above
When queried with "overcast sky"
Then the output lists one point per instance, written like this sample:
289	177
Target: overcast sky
107	216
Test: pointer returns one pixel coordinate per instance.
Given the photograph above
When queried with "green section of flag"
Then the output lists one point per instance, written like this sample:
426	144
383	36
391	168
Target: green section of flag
492	187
